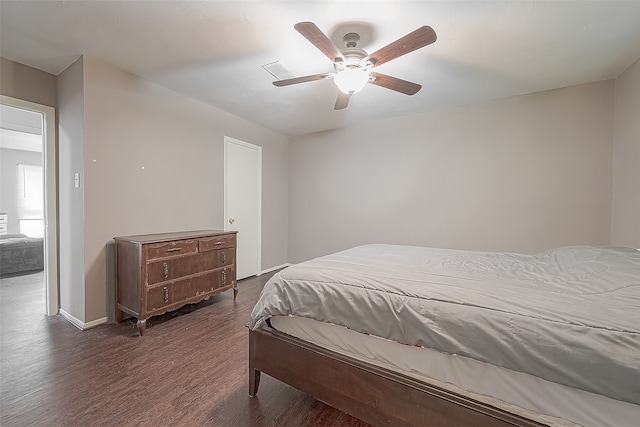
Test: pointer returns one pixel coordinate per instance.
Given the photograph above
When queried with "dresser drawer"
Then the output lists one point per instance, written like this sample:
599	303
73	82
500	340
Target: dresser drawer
3	223
177	247
174	268
224	257
180	291
217	242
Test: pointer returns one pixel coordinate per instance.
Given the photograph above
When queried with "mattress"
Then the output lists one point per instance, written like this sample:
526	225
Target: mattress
568	316
516	392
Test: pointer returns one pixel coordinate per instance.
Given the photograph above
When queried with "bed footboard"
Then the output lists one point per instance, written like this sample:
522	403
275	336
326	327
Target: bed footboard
372	394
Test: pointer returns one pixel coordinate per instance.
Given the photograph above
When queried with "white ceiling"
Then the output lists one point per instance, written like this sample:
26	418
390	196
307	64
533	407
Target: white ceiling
214	50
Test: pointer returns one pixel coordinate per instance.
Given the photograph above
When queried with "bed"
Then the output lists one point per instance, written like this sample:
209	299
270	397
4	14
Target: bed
404	335
20	254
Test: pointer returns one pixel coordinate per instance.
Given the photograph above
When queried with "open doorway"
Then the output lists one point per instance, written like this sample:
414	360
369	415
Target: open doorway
28	201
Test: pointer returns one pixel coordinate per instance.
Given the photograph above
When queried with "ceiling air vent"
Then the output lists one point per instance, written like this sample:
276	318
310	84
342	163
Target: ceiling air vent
278	70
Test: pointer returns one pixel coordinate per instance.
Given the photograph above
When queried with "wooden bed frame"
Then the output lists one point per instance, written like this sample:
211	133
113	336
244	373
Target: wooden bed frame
370	393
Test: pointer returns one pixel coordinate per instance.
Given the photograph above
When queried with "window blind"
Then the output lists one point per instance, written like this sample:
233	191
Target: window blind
30	192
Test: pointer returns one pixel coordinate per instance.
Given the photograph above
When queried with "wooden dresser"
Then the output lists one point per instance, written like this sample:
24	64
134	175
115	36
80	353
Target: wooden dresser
156	273
4	223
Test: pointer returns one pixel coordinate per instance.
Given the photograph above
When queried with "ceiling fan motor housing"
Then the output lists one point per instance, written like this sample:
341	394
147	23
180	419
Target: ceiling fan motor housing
353	57
352	53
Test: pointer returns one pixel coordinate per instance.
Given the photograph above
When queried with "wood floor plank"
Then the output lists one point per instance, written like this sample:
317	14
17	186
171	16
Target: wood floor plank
190	368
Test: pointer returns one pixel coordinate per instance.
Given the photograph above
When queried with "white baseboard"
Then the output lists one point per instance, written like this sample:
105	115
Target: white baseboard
95	323
277	267
80	324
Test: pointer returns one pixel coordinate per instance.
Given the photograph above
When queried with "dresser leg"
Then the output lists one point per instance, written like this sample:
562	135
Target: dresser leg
142	326
235	293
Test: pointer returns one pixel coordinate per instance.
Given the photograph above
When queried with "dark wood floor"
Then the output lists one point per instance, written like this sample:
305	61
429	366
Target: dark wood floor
189	369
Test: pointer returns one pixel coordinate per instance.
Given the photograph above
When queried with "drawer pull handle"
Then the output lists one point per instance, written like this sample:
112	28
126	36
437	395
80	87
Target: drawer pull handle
219	243
223	255
224	276
174	249
165	270
166	295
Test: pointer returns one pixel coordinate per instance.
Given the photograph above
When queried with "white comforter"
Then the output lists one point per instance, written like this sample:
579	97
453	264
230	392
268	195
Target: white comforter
570	315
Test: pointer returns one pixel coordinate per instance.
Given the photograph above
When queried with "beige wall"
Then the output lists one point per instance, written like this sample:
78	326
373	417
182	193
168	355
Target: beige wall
153	162
71	139
625	224
26	83
521	174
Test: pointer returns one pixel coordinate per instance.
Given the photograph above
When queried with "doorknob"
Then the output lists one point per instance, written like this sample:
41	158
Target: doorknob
231	220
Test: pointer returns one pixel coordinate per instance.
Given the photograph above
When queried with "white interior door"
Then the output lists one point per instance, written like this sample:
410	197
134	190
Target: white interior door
243	202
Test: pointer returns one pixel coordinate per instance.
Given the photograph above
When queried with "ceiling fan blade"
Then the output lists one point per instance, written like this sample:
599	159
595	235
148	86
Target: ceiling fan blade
394	83
343	101
421	37
312	33
296	80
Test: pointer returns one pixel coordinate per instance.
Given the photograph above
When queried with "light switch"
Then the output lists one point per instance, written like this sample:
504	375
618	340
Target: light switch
76	180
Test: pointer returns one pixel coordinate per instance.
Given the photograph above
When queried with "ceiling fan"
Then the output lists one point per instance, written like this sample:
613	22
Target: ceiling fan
353	66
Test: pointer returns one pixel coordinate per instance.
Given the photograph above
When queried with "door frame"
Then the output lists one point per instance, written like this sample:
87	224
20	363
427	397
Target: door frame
228	140
50	197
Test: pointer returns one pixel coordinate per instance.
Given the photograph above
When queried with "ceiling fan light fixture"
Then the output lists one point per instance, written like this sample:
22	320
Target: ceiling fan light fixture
351	80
